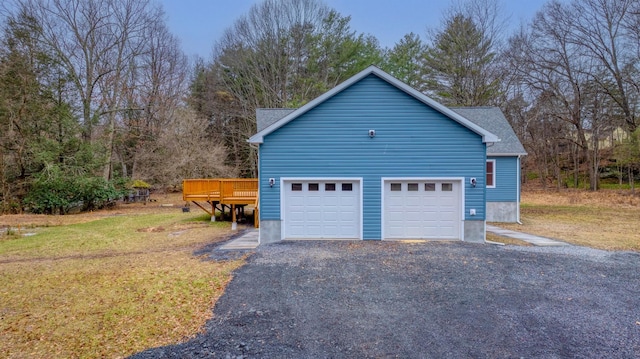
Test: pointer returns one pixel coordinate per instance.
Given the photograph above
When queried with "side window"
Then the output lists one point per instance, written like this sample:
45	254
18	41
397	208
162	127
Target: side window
491	173
296	186
447	187
347	187
396	187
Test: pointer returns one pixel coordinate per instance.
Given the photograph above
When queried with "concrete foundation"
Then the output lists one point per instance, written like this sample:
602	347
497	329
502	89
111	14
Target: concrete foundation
506	212
270	231
474	231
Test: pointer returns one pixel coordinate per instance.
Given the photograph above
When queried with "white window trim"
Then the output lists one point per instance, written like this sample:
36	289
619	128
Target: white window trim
494	173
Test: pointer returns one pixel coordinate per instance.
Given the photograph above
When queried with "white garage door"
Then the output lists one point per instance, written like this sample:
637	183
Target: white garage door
429	209
328	209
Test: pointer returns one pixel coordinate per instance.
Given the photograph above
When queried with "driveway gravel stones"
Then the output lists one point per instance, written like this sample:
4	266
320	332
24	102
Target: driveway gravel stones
344	299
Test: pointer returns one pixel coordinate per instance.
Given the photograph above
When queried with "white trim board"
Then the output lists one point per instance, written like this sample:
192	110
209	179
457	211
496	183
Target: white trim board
495	172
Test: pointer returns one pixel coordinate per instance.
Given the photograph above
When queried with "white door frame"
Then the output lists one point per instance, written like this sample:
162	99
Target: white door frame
319	179
460	180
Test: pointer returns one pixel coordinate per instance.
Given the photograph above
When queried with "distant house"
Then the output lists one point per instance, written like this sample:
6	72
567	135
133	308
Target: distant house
375	159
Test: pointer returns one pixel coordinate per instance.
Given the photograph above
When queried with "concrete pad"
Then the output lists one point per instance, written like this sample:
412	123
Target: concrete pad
530	238
248	240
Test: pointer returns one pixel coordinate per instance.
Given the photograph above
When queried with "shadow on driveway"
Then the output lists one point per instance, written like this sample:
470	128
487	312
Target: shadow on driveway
433	300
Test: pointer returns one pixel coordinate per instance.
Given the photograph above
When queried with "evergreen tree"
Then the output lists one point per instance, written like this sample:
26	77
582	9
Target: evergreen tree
459	65
406	60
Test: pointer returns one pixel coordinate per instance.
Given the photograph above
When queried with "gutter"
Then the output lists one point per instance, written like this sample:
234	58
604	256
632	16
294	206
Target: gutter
519	190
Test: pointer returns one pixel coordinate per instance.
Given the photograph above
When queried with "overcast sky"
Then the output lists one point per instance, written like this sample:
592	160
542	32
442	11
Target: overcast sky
199	23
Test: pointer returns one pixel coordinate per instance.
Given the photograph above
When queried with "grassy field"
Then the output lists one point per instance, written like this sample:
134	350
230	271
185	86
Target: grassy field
606	219
106	284
112	283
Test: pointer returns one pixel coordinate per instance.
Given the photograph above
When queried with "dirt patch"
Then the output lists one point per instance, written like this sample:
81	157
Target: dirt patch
151	230
120	209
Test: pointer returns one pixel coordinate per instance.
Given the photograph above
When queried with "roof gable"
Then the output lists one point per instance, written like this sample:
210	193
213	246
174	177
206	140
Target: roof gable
371	70
267	116
492	119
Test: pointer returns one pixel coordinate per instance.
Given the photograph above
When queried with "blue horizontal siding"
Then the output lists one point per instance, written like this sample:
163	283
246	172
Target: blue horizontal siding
331	140
506	180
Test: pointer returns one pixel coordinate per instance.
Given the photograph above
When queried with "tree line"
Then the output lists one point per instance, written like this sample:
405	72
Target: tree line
97	93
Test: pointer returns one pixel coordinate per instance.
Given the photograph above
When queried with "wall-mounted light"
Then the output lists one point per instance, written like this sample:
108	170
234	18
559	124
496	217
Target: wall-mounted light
473	181
372	133
272	181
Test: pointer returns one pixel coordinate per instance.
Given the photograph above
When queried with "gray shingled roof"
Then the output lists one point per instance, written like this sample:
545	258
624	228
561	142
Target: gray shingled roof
492	119
267	116
489	118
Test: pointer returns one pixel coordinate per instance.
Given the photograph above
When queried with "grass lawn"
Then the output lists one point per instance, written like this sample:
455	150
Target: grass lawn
606	219
106	284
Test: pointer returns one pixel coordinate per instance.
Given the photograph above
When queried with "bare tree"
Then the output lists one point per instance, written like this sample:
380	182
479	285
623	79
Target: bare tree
487	15
97	43
154	90
553	69
601	28
192	154
282	53
568	60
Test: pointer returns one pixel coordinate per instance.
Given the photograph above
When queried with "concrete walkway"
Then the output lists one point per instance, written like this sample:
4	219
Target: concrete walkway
535	240
248	240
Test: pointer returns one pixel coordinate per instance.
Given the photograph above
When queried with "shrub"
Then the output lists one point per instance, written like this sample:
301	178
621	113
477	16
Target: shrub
58	193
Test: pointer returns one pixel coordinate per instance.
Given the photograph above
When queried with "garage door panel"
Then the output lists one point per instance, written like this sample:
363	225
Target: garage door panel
431	211
413	201
331	216
296	201
347	219
314	200
321	209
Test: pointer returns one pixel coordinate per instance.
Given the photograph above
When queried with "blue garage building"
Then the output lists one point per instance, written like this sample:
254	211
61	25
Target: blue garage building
375	159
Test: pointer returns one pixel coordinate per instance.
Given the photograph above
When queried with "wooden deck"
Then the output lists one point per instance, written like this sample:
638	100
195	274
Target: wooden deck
221	193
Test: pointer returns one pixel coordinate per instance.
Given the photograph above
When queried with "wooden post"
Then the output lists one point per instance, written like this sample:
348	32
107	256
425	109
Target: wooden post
213	212
234	225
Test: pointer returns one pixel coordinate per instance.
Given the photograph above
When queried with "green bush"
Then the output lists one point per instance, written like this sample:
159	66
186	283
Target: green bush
57	193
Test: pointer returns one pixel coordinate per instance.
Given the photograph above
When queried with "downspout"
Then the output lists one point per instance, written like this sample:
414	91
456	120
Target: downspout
257	148
519	190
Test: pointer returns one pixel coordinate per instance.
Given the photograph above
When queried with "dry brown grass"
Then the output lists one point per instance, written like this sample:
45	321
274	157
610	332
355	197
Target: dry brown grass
575	197
607	219
162	203
107	284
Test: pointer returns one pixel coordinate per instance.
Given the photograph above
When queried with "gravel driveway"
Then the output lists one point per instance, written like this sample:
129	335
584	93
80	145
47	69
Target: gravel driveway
330	299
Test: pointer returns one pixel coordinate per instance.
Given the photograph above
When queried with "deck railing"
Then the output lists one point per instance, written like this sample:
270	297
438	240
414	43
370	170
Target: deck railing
222	190
239	191
231	193
201	189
